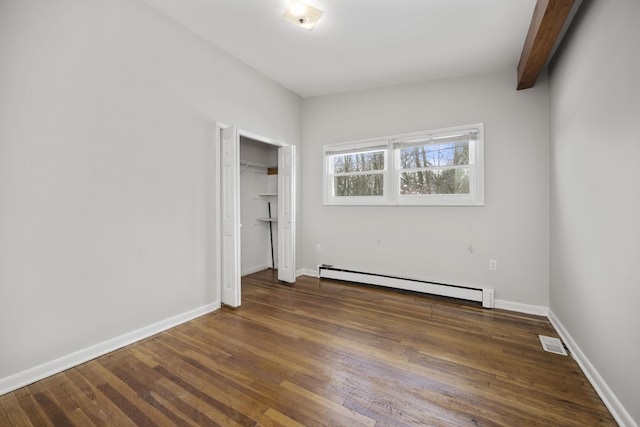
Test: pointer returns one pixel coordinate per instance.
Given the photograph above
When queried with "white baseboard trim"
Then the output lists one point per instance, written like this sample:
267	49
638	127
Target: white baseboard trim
31	375
610	400
252	270
307	272
537	310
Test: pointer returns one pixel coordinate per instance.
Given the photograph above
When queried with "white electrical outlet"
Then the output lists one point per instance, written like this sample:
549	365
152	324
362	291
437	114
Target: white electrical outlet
318	247
493	264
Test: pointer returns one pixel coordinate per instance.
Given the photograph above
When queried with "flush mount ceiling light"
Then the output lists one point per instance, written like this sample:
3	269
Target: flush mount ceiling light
302	15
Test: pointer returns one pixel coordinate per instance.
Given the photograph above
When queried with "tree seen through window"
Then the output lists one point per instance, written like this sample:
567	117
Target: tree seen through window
352	178
435	169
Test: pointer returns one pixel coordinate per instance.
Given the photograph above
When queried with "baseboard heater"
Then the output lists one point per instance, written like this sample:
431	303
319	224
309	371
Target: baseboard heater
485	296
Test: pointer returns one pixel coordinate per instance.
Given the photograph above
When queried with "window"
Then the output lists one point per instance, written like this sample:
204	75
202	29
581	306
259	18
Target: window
357	173
443	167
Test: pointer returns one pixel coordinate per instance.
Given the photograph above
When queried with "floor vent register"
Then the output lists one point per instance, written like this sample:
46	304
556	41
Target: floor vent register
552	345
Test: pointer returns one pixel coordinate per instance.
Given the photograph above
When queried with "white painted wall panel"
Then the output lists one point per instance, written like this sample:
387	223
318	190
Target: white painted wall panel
431	243
106	178
595	200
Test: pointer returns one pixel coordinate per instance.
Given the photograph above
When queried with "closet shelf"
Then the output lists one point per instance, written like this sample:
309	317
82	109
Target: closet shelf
257	165
268	194
267	219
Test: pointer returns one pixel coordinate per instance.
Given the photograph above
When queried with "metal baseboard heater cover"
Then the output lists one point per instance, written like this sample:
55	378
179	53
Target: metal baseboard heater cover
485	296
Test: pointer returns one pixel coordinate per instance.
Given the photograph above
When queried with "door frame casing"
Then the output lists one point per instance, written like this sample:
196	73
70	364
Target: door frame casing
218	126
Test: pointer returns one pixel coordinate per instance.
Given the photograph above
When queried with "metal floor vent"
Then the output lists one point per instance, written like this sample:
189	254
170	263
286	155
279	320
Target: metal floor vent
552	345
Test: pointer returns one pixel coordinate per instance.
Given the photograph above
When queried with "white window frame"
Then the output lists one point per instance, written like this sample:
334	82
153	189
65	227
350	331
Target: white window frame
392	170
356	147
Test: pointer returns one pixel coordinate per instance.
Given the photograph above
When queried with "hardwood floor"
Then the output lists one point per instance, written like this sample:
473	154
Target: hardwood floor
324	353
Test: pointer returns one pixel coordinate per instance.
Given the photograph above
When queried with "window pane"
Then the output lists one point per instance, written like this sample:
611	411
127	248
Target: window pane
359	162
359	185
444	154
447	181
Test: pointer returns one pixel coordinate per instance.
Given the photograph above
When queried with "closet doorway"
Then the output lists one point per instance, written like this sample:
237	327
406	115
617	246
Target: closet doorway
257	201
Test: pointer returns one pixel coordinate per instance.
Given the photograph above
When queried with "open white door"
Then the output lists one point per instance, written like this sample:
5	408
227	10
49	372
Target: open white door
230	223
286	214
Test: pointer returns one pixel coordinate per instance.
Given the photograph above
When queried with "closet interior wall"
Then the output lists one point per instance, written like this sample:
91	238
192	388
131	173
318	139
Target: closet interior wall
257	190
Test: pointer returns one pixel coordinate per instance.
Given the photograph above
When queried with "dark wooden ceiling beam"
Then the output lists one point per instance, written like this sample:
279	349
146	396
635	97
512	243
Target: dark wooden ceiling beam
549	17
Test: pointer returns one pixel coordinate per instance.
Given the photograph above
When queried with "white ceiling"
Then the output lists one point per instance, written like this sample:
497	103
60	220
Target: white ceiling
360	44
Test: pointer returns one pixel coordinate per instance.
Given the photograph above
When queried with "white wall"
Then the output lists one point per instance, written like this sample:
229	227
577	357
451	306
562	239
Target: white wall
106	175
595	200
432	243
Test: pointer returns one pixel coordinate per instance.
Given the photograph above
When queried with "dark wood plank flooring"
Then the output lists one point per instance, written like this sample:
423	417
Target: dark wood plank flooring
324	353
